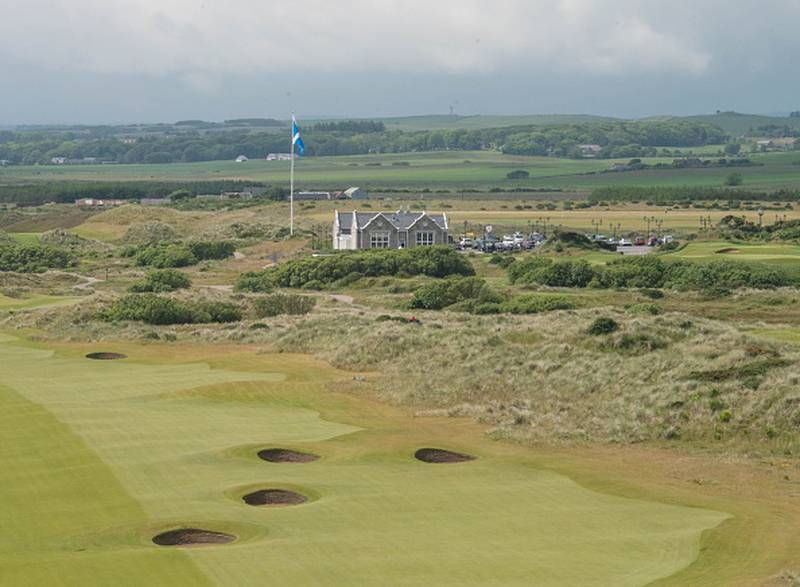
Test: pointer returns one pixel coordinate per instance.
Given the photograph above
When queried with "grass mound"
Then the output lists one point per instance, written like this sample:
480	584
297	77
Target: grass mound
192	537
439	455
274	497
284	455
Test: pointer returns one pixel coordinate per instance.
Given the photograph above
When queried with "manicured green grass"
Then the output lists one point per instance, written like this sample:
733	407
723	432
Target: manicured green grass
34	301
98	456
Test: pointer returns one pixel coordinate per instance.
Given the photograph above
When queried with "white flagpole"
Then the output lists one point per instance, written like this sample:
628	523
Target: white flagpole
291	179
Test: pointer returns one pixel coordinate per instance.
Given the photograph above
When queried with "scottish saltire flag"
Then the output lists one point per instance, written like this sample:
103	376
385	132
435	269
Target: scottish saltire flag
297	140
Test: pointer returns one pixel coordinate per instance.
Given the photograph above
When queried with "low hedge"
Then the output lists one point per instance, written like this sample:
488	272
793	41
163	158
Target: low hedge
436	261
153	309
162	280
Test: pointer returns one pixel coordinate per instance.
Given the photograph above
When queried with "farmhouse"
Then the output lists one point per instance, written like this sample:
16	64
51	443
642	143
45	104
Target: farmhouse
388	230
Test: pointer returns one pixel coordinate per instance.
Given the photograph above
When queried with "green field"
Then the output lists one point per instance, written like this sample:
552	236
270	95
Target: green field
100	455
453	170
26	238
35	301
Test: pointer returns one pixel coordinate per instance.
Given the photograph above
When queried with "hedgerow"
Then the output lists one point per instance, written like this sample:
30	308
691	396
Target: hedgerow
437	261
163	256
647	272
162	280
154	309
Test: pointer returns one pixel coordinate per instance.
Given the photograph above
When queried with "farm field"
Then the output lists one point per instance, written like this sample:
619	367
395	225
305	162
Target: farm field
502	213
451	170
167	438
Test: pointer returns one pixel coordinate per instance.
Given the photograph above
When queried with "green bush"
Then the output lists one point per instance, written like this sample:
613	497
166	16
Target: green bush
533	304
280	303
648	272
32	258
255	281
154	309
436	261
162	280
165	256
441	294
204	250
603	325
545	271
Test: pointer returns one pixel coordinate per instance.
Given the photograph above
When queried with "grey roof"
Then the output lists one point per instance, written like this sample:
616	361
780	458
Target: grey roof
400	220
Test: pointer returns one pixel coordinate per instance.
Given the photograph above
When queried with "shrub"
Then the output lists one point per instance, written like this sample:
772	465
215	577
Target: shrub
603	325
436	261
651	309
280	303
32	258
165	256
154	309
545	271
204	250
162	280
441	294
255	281
216	312
533	304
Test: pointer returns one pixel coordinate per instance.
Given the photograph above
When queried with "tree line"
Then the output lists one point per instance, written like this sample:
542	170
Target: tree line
614	139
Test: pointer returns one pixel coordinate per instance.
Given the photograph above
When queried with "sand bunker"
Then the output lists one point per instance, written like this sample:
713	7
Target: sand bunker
438	455
192	537
727	251
274	497
106	356
284	455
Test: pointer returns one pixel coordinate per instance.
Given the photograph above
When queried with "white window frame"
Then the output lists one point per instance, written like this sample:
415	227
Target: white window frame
383	243
429	240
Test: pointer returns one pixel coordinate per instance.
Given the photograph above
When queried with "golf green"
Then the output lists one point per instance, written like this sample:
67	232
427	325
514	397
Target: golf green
100	456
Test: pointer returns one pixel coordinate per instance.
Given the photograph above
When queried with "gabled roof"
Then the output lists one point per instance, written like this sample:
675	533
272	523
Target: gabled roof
399	220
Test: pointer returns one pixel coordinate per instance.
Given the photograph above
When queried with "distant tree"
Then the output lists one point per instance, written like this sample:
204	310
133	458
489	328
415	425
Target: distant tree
178	195
795	114
733	148
734	179
518	174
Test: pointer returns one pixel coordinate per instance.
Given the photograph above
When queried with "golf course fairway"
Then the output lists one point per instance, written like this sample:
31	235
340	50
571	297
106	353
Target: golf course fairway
99	456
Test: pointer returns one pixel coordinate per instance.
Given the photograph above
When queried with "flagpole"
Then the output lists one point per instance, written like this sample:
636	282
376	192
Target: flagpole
291	178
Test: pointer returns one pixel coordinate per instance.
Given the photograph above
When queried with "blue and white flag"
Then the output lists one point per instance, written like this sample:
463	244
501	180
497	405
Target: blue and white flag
297	140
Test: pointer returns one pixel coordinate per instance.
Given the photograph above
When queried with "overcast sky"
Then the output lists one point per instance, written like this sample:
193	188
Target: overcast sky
101	61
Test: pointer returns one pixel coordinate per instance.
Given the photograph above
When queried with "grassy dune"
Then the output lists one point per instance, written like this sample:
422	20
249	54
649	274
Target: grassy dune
101	455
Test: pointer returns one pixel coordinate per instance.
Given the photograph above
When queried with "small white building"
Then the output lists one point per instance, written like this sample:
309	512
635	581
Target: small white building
242	159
